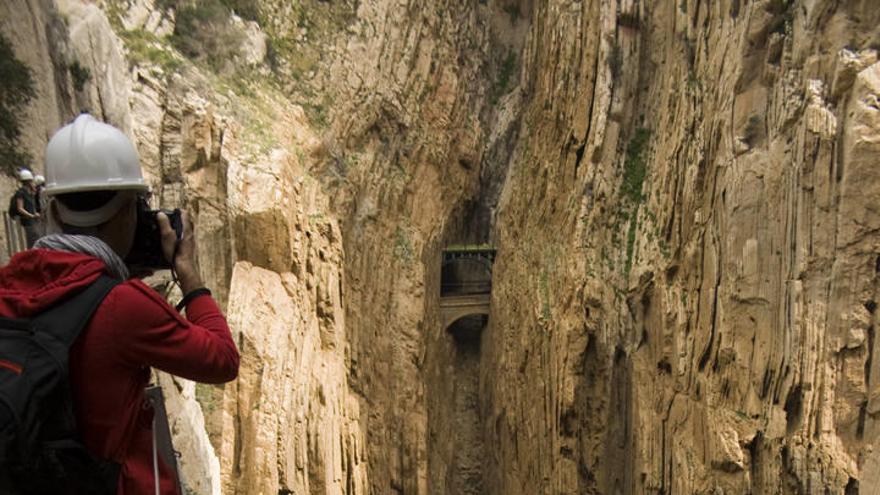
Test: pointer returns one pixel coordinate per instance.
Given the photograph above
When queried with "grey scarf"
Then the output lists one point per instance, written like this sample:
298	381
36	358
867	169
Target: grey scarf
86	244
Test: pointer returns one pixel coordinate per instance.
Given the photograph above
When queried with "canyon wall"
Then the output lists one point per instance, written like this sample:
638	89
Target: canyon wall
686	276
680	194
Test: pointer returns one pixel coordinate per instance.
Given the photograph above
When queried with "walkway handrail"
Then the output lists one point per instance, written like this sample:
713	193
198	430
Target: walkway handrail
452	254
456	288
15	237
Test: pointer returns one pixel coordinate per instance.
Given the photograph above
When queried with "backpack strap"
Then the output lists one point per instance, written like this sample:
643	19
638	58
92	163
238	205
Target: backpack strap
66	320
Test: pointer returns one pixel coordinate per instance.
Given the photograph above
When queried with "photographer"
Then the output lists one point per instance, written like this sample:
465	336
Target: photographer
93	187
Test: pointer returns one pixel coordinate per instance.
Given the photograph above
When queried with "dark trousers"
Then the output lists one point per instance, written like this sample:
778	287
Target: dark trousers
31	234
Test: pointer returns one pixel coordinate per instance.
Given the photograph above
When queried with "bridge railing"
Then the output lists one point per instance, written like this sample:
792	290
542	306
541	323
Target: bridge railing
458	253
464	288
15	238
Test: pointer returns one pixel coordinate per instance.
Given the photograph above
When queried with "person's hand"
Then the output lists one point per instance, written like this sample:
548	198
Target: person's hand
184	261
169	235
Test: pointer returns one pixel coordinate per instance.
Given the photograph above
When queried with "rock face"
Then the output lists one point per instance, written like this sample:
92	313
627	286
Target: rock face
682	196
708	282
39	40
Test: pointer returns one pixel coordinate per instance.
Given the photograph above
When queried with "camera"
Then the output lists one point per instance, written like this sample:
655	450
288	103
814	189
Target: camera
146	252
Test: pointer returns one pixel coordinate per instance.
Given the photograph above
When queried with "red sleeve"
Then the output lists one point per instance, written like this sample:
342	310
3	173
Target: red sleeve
149	332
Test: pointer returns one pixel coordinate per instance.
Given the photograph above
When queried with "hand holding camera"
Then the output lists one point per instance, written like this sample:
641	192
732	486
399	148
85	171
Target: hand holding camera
179	248
165	239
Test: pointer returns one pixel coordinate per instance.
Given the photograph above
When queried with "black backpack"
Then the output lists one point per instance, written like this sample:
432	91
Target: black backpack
13	207
40	449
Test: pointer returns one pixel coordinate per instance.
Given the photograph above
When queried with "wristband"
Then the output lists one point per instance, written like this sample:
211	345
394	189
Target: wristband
201	291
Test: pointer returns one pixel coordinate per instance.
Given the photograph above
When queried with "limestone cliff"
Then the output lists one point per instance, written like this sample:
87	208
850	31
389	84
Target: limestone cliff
681	195
687	253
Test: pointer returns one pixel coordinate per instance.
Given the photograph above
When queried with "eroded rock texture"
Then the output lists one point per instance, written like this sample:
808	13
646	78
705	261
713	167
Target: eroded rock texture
682	195
709	330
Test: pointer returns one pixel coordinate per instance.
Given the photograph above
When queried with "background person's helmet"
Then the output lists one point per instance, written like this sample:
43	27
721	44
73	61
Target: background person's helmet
39	180
25	175
88	155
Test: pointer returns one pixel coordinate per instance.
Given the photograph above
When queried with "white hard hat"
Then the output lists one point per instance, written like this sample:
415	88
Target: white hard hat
39	179
25	174
88	155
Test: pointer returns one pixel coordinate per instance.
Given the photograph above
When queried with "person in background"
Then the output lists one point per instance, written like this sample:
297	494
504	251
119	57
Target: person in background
39	181
26	207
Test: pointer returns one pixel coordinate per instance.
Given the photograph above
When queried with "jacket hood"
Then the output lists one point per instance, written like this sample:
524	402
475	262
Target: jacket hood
36	279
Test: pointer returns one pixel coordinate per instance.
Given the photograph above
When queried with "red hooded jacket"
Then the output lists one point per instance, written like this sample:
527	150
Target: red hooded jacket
133	329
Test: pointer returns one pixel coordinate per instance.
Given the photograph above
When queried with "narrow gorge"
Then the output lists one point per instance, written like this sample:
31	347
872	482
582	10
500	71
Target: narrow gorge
676	204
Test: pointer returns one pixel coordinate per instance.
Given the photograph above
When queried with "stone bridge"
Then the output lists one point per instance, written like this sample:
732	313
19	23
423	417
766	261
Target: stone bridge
466	283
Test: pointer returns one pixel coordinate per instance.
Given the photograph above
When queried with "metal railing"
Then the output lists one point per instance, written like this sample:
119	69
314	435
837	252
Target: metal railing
466	287
459	254
15	237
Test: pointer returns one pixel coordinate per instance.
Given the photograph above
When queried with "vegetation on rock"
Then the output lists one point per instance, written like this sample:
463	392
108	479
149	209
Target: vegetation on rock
635	167
635	170
204	32
16	90
145	46
505	75
403	248
81	75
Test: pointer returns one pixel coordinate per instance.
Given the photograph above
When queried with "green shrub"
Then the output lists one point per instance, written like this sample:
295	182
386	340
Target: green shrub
403	248
505	74
145	46
246	9
204	33
635	169
16	91
635	166
316	112
81	75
